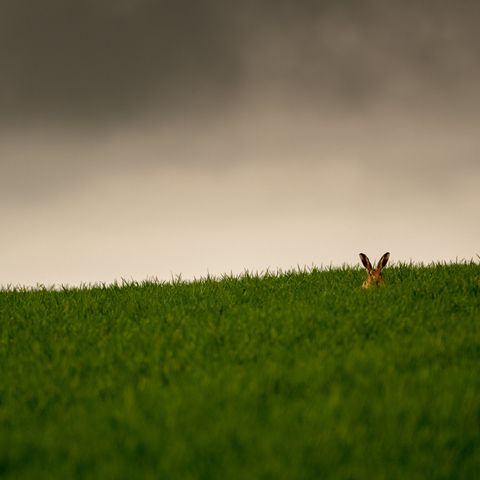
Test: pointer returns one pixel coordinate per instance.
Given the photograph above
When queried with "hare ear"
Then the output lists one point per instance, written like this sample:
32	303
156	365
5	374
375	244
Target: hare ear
383	261
365	261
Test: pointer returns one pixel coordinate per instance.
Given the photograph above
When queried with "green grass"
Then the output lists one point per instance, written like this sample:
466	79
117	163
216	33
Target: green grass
302	375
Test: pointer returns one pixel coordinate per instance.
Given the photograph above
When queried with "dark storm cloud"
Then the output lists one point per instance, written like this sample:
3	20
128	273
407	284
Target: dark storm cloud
209	69
97	60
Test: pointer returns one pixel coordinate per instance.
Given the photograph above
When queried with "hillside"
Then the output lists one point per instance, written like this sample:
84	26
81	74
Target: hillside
292	376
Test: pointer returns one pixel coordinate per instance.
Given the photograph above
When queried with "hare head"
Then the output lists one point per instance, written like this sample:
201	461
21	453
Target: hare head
375	276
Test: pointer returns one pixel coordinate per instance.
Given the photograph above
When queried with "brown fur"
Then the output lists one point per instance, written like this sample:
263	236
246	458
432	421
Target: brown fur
375	275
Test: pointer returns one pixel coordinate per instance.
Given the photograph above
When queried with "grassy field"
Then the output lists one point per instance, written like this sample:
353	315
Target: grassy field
302	375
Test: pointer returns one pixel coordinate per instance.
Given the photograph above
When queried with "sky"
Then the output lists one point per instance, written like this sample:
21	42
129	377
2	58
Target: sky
145	139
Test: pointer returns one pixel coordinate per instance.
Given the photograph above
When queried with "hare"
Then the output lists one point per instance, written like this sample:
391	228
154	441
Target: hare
375	276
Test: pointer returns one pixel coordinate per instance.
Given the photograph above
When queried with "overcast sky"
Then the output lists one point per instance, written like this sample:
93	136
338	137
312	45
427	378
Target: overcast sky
143	138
